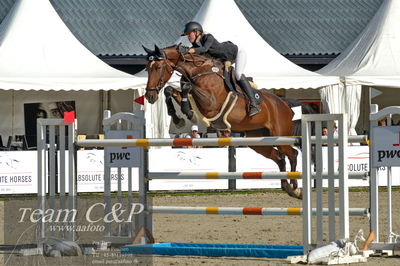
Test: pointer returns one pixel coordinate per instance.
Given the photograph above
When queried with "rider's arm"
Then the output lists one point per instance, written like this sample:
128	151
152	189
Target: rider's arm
205	44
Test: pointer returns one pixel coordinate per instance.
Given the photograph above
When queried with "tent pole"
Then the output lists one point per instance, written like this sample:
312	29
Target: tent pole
105	104
369	97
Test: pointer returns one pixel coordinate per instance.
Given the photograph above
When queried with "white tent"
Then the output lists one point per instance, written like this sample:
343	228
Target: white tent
39	52
372	59
41	60
269	68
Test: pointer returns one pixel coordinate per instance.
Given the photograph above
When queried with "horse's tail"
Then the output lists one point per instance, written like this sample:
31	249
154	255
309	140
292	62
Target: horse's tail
296	129
305	109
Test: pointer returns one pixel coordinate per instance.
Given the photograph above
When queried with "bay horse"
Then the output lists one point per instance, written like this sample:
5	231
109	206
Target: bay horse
209	95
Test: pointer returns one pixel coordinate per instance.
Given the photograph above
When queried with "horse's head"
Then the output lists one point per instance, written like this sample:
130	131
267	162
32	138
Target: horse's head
160	69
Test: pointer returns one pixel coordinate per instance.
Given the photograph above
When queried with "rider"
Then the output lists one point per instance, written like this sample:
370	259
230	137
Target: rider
205	43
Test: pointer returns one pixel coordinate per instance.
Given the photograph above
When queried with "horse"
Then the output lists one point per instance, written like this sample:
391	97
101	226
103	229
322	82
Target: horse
209	96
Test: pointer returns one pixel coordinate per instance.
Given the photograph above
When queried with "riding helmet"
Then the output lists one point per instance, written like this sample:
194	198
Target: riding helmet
192	26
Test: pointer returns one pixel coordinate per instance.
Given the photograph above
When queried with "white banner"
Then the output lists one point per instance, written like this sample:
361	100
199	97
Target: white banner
90	173
18	169
358	161
18	172
188	160
248	160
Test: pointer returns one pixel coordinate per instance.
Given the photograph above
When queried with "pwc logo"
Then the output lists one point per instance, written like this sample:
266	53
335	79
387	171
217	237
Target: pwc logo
390	153
121	156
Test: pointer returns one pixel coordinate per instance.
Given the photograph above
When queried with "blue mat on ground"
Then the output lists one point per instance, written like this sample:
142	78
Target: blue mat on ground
215	250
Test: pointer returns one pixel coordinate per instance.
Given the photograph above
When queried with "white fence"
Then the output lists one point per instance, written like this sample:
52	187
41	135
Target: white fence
18	171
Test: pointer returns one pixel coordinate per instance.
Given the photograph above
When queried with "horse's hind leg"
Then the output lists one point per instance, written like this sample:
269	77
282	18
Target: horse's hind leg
291	153
279	158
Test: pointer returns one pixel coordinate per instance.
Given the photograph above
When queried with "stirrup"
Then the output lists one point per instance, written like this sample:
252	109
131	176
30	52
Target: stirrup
253	110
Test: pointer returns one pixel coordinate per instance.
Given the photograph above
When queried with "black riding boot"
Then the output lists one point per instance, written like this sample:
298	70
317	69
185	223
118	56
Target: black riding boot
245	85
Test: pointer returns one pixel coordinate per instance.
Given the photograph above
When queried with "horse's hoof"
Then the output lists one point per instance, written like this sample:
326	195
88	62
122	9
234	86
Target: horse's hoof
294	193
298	193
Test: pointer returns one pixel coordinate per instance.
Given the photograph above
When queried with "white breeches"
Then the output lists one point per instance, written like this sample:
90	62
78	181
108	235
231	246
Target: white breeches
240	63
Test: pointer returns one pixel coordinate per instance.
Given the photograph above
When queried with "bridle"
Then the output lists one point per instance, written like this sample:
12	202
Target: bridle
161	72
175	66
172	67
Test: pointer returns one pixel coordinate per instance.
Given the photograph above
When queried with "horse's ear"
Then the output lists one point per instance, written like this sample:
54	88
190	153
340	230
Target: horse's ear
148	50
158	52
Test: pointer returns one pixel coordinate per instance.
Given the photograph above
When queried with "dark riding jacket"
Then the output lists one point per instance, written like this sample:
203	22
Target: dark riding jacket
208	45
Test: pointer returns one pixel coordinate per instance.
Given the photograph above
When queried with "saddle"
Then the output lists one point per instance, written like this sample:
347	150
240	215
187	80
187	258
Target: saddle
232	85
220	121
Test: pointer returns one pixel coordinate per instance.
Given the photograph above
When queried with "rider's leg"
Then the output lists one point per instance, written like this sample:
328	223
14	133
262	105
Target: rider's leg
245	85
243	82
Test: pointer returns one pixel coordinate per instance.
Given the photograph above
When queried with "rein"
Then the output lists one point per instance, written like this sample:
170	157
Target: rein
206	73
176	66
192	78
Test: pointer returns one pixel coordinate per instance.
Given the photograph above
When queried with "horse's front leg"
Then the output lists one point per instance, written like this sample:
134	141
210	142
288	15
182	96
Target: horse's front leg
169	92
184	100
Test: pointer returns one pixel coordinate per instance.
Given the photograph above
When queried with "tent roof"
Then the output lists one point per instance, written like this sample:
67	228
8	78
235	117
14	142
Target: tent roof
38	52
374	57
268	68
306	27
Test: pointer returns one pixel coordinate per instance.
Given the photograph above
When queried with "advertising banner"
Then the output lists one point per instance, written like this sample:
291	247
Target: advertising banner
18	169
188	160
18	172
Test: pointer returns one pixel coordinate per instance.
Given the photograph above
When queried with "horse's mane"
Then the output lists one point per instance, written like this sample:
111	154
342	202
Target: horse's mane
173	46
205	56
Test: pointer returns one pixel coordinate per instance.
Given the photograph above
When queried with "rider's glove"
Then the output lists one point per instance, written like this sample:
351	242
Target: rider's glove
184	50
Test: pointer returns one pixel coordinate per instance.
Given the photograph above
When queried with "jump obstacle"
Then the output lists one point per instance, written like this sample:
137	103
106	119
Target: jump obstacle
215	250
248	211
392	240
47	170
131	120
307	140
